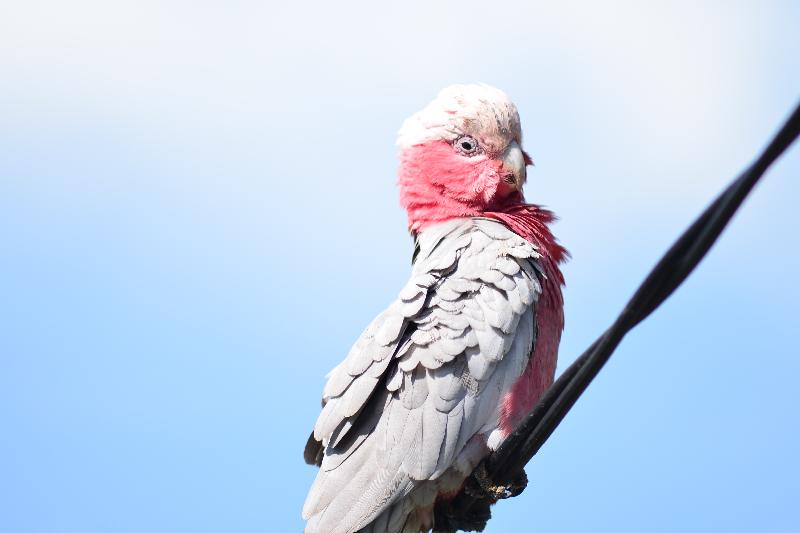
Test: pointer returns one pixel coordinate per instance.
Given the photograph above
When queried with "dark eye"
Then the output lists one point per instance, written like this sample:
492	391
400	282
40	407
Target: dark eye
467	145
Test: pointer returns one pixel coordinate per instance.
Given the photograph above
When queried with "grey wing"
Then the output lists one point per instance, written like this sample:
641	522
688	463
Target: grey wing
426	376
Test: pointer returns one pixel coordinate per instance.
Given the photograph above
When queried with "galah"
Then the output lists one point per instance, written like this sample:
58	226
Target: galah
441	377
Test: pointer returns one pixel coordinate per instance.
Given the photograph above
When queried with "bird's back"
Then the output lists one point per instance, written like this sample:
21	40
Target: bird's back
419	399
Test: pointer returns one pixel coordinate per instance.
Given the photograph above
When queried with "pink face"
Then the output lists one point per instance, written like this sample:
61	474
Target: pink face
441	180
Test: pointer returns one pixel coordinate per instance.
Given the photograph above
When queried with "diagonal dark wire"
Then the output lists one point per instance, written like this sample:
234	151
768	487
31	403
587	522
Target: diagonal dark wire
511	457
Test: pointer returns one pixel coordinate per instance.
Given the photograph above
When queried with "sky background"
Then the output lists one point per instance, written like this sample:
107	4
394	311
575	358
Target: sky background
198	216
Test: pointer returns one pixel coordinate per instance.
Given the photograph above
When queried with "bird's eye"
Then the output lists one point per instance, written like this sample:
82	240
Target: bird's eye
467	145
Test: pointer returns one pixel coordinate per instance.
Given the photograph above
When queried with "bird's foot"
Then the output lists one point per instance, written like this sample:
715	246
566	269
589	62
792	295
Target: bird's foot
452	516
484	487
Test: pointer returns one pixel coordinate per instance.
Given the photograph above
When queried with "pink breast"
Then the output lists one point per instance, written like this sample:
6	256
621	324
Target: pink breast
530	222
539	373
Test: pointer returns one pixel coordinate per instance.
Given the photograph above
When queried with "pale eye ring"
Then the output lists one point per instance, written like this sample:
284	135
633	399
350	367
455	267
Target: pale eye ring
467	145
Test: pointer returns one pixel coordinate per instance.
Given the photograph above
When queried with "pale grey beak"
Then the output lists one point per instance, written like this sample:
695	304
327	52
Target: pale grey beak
514	165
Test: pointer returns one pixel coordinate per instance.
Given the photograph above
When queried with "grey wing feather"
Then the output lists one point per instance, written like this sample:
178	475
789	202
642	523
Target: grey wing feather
425	377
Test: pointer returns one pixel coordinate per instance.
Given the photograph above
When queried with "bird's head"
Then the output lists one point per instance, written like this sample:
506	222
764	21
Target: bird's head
461	156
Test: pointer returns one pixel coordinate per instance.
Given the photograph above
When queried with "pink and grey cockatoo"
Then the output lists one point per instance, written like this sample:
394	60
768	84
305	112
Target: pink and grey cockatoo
448	370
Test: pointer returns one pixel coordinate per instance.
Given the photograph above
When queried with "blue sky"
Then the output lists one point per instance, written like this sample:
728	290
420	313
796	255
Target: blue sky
198	216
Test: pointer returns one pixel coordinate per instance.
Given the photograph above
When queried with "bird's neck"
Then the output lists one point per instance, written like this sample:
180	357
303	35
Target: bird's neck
437	186
531	222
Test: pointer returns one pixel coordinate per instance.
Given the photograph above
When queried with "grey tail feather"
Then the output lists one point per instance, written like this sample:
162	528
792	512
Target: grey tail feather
393	519
347	497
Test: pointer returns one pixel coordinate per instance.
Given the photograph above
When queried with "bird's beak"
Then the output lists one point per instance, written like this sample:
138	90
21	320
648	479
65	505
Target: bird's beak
514	165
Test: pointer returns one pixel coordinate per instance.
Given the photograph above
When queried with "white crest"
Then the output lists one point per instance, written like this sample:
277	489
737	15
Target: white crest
462	109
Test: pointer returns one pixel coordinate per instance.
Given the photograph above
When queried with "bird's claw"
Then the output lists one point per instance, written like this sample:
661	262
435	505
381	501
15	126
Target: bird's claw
485	488
479	486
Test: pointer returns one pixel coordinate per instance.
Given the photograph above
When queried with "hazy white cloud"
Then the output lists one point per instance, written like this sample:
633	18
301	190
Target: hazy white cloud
651	107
